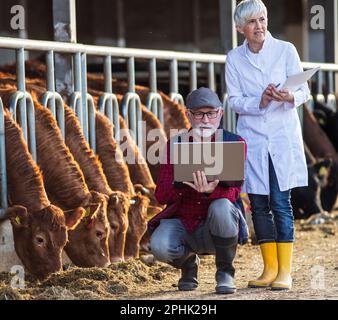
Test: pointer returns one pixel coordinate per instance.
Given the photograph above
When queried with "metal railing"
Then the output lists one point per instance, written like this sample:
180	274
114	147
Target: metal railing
82	103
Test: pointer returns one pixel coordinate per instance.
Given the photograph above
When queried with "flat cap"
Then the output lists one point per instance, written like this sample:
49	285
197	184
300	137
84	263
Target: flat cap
203	97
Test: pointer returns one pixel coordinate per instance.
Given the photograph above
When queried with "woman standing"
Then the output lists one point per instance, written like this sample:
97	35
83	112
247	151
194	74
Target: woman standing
275	160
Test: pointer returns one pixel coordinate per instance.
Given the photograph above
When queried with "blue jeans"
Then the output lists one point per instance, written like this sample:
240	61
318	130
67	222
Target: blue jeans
171	241
272	214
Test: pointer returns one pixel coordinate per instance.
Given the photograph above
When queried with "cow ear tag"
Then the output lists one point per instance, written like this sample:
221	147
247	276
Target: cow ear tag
87	212
323	171
17	220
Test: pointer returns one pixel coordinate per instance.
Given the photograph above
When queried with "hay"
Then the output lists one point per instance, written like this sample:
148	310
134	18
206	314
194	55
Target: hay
114	282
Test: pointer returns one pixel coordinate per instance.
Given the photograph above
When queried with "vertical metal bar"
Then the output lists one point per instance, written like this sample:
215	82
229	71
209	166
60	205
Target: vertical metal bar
311	103
153	85
174	94
20	74
77	85
152	72
108	85
193	75
115	117
330	80
84	102
301	116
234	120
132	117
77	71
31	127
331	98
320	97
211	76
107	75
3	176
320	82
173	76
131	74
91	122
50	79
229	120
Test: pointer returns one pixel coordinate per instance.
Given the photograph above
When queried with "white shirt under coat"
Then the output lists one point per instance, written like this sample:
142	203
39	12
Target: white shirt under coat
271	130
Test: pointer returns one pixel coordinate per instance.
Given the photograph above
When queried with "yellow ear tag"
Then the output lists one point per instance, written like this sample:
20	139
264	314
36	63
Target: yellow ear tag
17	220
87	212
323	171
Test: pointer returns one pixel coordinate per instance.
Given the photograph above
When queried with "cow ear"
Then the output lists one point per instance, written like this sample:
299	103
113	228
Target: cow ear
113	199
140	188
74	217
97	197
18	216
93	210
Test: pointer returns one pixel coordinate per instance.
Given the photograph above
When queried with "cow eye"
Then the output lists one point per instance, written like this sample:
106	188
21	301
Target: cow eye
99	234
39	240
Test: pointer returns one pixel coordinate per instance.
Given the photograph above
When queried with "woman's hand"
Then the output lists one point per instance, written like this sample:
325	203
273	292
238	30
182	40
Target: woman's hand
266	96
271	93
201	184
283	95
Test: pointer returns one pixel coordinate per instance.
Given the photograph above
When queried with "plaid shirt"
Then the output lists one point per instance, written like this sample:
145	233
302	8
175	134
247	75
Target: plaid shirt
193	208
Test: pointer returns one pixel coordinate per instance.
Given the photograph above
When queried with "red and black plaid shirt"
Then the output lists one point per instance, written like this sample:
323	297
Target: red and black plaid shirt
193	208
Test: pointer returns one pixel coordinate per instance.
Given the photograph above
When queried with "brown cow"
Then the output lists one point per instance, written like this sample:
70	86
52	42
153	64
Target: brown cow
39	228
66	187
117	174
118	203
137	216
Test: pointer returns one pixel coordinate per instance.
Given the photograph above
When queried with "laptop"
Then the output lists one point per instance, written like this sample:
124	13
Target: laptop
222	160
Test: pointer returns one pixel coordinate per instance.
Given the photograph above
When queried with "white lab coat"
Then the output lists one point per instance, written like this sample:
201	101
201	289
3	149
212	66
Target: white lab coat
272	130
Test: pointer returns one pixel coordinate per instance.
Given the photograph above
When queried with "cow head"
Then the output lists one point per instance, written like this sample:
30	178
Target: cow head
39	238
118	207
88	242
307	201
322	169
137	217
148	192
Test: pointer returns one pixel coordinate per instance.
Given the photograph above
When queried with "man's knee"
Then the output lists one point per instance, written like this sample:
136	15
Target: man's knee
165	247
159	247
223	218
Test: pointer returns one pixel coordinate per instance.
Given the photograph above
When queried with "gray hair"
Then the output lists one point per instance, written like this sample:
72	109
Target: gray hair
247	9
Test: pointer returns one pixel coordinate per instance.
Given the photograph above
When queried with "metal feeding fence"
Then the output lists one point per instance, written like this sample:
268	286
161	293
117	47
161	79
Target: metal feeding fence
22	108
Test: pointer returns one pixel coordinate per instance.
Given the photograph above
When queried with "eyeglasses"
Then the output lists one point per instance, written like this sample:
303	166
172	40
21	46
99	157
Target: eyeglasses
200	115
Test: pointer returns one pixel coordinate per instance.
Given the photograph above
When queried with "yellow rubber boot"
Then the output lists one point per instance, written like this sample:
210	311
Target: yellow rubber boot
284	253
269	254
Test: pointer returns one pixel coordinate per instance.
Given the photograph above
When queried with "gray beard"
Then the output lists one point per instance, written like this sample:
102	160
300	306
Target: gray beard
205	133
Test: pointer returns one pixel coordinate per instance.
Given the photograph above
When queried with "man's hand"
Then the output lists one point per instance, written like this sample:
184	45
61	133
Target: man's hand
201	184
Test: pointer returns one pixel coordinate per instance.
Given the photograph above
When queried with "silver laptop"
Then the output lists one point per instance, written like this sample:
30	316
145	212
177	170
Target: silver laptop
223	160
